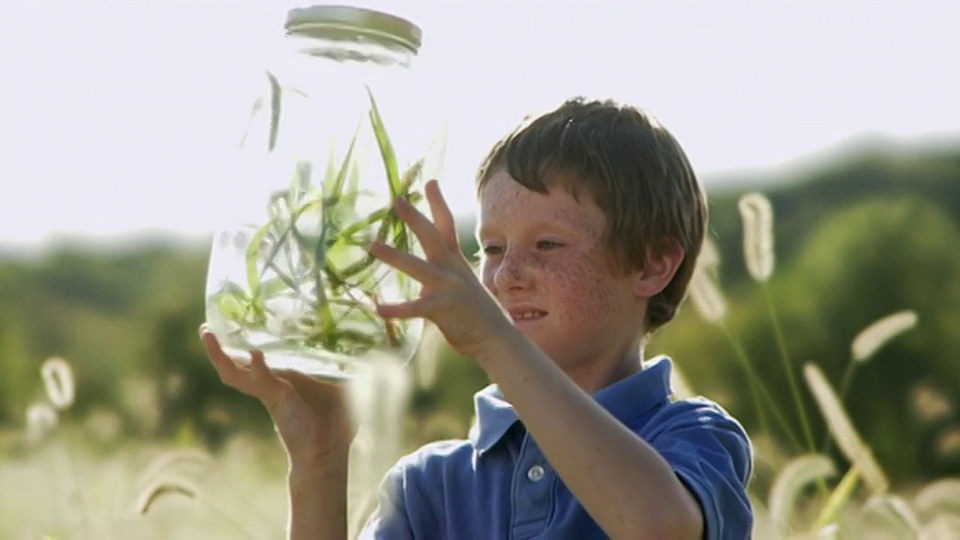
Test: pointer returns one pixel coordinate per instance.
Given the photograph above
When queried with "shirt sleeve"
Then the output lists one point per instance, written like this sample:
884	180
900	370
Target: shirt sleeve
711	454
389	520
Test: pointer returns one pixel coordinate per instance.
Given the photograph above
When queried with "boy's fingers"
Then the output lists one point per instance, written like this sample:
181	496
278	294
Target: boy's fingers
231	372
421	307
223	364
407	263
425	231
268	386
442	216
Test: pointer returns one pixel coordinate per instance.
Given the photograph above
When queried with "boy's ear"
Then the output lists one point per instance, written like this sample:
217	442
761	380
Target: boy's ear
662	265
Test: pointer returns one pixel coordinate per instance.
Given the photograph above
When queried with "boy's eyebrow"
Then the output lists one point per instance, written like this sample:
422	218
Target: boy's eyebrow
483	230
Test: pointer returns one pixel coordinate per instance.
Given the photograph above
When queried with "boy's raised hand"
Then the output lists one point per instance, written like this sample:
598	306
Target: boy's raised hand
311	416
452	296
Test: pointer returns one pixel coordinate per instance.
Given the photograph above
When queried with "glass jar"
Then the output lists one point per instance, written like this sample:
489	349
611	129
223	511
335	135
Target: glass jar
340	129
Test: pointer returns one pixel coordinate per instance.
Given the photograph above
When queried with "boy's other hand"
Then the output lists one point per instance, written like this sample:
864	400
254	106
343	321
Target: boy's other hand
452	296
310	416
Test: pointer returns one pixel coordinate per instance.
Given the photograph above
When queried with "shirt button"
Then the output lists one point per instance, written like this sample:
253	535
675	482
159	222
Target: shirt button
535	474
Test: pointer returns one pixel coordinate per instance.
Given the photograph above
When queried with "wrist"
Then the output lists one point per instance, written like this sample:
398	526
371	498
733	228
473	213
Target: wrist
507	344
318	469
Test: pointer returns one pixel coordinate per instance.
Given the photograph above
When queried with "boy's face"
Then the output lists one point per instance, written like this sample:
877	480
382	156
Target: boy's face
546	260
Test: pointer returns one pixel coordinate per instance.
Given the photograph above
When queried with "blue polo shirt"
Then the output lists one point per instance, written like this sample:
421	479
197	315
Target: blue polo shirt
497	484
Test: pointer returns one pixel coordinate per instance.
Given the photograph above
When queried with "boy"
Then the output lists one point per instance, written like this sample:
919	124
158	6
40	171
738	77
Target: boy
590	223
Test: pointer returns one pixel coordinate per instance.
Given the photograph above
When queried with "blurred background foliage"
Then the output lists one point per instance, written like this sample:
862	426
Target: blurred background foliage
856	239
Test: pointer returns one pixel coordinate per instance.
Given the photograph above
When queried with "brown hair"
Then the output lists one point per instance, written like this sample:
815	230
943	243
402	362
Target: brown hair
634	169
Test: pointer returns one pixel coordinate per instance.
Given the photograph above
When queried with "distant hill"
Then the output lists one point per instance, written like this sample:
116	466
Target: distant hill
850	243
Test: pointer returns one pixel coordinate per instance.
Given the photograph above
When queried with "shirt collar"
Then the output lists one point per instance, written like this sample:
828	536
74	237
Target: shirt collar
624	399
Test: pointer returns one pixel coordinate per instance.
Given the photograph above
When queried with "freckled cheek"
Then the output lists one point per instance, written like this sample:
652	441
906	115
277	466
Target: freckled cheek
586	295
577	291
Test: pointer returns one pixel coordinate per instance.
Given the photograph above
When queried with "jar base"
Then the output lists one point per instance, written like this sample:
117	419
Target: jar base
328	370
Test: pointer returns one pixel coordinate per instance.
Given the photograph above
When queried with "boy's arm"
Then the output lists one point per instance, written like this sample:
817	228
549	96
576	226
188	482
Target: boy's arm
318	501
623	483
315	428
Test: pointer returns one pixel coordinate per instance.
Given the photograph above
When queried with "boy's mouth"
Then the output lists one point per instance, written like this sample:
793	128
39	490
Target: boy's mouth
526	314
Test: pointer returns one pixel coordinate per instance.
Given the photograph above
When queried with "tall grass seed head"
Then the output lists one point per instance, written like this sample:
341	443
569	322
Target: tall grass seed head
842	430
757	215
58	382
875	336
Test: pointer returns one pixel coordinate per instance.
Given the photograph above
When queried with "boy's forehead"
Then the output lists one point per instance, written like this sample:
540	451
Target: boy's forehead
503	200
502	184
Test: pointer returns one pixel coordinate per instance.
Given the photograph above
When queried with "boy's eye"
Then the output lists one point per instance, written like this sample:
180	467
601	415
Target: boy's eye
491	250
548	244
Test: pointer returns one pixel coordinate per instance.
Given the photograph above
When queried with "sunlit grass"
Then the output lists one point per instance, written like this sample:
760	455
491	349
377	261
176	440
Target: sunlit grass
838	509
238	493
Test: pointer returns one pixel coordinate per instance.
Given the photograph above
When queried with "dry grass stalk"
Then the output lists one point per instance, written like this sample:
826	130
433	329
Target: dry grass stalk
757	215
789	484
709	258
168	461
41	418
706	297
938	497
948	443
58	382
427	358
163	487
828	532
380	398
704	293
929	404
875	336
842	430
893	513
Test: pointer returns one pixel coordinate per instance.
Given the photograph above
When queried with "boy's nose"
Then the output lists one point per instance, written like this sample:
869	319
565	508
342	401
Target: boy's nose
511	273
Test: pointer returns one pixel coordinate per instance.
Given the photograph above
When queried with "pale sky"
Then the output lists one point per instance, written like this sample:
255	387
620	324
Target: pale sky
116	117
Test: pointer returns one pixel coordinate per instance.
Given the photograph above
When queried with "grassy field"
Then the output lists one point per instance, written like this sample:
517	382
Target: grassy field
68	488
77	479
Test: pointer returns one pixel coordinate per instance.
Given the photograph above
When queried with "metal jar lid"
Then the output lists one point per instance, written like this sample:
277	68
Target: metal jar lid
348	23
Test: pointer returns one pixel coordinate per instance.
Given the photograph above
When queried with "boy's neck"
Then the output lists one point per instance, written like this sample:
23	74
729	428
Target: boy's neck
593	377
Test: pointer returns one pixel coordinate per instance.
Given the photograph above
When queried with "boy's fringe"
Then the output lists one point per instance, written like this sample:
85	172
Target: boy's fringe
58	382
757	215
875	336
843	431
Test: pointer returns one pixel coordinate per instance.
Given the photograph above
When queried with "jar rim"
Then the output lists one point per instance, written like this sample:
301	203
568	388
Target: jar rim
350	23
